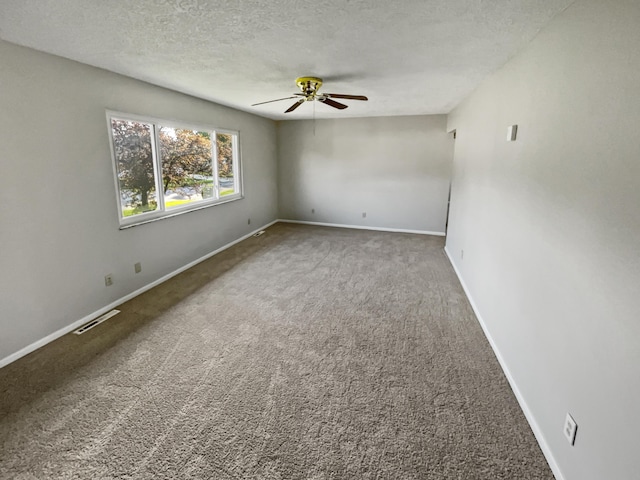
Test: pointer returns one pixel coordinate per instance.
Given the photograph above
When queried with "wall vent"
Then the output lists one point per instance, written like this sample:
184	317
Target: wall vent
95	322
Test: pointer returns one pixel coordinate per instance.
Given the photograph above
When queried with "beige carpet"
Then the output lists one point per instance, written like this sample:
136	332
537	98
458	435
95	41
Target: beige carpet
307	353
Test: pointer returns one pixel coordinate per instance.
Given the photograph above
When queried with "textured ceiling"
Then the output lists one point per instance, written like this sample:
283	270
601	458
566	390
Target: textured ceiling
409	57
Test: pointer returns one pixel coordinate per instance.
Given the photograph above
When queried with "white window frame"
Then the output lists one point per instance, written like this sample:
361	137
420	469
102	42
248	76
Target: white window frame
161	212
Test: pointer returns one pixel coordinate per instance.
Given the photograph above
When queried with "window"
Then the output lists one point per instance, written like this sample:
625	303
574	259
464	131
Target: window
193	167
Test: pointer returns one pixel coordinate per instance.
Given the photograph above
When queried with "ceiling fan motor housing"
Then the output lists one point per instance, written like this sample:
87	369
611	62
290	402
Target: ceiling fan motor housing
309	85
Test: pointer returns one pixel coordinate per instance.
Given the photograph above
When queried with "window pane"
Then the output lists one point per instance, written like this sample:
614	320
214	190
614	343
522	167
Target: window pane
134	164
187	168
226	166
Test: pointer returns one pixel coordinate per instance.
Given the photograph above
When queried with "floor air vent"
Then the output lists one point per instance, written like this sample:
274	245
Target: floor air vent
259	233
96	322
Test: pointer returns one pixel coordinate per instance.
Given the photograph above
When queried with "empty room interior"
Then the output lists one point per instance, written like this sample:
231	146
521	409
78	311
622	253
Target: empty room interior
432	273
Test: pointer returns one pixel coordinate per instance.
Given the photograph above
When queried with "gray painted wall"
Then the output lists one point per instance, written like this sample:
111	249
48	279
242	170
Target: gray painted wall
58	217
396	169
550	228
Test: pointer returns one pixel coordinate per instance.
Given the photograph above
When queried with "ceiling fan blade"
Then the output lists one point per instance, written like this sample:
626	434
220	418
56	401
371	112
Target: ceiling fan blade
270	101
295	105
332	103
347	97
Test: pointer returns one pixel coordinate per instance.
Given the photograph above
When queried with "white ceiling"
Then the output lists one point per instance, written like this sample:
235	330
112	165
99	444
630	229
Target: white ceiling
409	57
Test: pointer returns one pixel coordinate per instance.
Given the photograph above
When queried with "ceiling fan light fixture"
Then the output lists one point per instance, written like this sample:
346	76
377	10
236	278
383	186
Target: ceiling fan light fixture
309	85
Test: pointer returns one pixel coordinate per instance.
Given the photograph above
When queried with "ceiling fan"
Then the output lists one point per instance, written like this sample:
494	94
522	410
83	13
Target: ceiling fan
309	87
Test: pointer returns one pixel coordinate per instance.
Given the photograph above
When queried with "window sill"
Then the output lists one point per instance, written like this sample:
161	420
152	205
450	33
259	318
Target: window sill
155	216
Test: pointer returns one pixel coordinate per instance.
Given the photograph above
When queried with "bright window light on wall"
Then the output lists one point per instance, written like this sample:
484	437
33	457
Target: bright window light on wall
192	166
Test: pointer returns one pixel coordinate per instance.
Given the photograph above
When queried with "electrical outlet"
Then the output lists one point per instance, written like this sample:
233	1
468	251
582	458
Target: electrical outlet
137	267
461	254
313	210
364	214
108	280
248	221
570	429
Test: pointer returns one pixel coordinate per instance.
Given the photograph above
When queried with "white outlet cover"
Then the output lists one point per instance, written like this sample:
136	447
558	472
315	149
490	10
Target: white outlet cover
570	429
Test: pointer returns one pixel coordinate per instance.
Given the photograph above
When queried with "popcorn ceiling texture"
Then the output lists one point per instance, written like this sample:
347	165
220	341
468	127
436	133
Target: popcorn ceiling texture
305	353
409	57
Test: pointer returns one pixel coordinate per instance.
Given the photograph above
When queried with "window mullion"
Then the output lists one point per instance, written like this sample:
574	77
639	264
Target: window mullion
214	159
157	168
235	146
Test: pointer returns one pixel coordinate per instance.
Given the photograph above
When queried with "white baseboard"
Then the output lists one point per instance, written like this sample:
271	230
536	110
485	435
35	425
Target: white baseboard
364	227
69	328
537	432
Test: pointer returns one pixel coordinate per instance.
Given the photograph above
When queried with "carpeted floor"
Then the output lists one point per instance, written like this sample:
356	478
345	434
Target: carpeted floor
307	353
